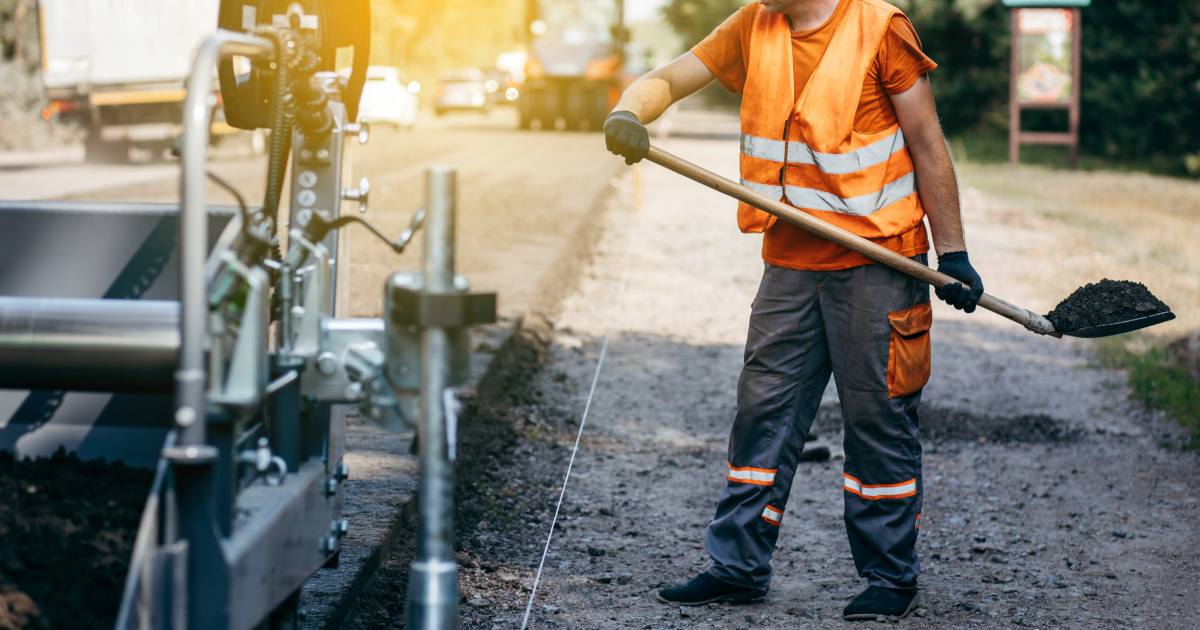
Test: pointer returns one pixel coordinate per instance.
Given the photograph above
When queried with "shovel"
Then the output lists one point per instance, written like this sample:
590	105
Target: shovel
884	256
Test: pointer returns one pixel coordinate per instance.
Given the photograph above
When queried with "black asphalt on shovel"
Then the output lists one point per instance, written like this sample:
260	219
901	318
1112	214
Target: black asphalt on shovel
1097	310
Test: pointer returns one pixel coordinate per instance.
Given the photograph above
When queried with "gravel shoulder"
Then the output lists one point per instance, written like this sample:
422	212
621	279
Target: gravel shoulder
1051	501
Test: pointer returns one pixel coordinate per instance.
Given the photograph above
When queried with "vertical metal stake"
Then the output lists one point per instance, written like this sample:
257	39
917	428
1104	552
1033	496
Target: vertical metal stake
433	598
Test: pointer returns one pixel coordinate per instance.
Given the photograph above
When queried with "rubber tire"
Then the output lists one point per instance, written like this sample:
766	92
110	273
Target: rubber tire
550	110
597	108
97	151
575	107
526	108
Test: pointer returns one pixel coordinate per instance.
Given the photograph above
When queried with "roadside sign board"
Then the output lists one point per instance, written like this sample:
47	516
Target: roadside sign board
1045	70
1044	55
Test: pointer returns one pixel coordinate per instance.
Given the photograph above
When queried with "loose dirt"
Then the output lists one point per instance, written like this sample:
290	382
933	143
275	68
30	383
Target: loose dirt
1105	302
66	533
1050	500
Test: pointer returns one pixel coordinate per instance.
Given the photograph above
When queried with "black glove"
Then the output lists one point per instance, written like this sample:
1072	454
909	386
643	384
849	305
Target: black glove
626	136
957	266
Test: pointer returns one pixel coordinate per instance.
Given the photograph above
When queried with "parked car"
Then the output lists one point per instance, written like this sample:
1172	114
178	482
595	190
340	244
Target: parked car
388	98
500	86
461	90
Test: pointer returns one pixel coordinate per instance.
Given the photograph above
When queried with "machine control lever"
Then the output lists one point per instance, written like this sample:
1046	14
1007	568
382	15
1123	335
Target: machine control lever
359	194
318	228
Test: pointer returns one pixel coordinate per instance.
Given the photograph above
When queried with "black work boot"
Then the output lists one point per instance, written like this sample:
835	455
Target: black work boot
706	589
877	601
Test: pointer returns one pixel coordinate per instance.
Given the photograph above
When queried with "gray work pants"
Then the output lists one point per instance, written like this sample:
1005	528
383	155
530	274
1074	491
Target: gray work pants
869	327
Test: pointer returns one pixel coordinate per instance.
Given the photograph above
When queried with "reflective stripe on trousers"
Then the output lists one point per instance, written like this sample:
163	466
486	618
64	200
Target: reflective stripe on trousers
805	326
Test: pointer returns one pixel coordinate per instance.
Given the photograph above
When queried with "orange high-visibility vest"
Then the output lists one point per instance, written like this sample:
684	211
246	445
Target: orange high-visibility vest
806	151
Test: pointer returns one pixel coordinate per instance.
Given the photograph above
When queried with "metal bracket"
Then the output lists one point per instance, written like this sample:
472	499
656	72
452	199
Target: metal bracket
315	305
453	310
350	369
246	378
404	292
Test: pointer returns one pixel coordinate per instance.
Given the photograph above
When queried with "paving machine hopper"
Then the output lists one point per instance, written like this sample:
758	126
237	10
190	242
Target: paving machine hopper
192	340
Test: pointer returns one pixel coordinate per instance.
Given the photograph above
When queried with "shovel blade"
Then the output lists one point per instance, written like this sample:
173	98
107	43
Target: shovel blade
1108	330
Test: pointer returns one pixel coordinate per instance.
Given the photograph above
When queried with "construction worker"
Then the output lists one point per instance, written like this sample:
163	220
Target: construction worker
838	120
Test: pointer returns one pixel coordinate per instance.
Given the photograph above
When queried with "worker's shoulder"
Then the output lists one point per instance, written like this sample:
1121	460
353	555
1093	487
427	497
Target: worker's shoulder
741	22
747	14
882	6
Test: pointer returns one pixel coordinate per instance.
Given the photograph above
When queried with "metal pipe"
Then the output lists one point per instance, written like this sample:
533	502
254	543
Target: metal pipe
88	345
193	226
433	598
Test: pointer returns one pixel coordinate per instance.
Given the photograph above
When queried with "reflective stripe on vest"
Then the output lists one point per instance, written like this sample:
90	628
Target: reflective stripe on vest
861	206
804	150
794	152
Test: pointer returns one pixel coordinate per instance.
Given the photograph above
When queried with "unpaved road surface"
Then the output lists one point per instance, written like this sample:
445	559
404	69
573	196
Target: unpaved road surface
1050	501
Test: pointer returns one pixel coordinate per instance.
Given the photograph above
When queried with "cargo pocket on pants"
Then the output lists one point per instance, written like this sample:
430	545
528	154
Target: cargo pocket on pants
908	356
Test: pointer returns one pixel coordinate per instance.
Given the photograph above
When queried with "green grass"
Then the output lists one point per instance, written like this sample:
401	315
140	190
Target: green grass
1154	381
989	146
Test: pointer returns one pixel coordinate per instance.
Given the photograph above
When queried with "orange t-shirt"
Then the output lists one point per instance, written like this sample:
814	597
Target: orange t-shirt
896	68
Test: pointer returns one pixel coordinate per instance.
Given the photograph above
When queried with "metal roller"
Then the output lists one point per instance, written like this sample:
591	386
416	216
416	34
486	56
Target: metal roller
88	345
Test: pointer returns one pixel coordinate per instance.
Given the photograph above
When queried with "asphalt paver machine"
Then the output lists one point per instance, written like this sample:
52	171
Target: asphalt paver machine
194	340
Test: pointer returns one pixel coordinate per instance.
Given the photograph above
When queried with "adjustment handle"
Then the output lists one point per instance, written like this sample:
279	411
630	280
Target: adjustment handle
360	194
363	129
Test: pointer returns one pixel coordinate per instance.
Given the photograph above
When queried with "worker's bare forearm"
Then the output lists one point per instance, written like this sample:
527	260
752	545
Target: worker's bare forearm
652	94
936	181
647	98
938	187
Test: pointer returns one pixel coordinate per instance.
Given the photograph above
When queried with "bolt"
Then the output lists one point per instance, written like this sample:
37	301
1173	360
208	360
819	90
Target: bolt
327	363
343	527
376	413
342	472
331	486
185	416
323	154
306	154
353	391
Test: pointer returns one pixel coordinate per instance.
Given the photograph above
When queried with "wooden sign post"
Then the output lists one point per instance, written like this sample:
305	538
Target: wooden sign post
1045	70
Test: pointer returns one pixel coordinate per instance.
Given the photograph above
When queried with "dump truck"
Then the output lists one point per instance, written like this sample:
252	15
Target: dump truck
118	68
575	67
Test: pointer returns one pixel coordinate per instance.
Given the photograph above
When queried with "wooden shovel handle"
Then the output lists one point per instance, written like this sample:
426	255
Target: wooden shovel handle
805	221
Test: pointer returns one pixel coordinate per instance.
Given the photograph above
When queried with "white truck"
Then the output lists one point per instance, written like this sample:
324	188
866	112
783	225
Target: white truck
119	67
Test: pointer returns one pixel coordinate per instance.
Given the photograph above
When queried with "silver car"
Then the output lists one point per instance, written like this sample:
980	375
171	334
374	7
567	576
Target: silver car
461	90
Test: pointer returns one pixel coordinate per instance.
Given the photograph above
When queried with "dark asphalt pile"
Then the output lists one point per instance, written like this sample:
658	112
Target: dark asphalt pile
66	533
1105	302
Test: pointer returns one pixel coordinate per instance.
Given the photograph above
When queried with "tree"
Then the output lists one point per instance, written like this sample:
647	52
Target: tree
695	19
